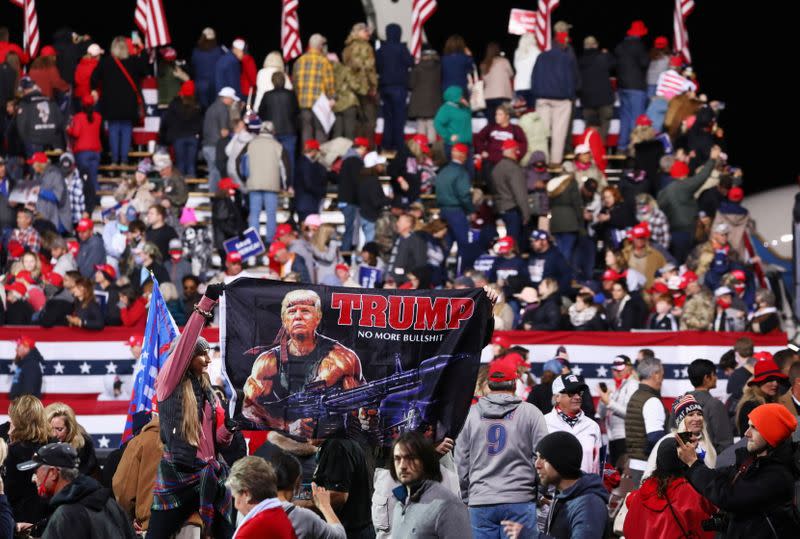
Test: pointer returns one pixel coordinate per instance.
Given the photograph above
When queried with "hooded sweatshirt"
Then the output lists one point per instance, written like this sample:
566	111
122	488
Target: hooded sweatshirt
27	378
495	450
453	118
579	512
393	59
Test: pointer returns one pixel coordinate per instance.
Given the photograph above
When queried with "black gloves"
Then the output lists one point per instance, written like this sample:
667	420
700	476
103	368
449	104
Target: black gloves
214	291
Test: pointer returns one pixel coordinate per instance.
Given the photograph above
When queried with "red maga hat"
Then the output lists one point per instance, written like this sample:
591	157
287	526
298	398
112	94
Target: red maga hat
27	340
282	230
108	269
504	245
84	225
38	157
637	29
644	119
361	141
227	183
502	341
661	42
502	370
234	257
679	170
735	194
48	50
642	230
187	89
766	370
55	279
274	247
460	147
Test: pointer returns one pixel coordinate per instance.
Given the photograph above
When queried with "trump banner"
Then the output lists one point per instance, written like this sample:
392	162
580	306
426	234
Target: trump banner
317	361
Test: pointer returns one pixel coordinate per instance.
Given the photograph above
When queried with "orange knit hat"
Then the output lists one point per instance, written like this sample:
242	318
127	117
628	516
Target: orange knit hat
774	422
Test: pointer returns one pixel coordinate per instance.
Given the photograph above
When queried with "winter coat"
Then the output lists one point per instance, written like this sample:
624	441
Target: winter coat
247	80
579	512
180	121
175	190
595	68
21	491
677	200
349	176
587	432
651	517
91	315
39	121
280	107
738	219
83	77
359	56
566	206
118	100
425	84
656	68
453	118
698	312
511	188
614	412
716	420
236	144
646	263
48	80
371	199
497	81
536	133
550	263
267	168
555	75
92	253
27	379
228	73
86	134
204	63
310	185
647	158
227	218
85	509
627	314
53	203
632	64
453	188
412	253
392	59
760	499
134	315
490	139
456	67
545	317
68	52
216	118
429	511
524	59
345	81
264	77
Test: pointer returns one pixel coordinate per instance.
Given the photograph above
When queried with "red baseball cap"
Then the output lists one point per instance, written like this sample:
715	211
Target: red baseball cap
27	340
274	247
502	341
84	225
48	50
38	157
661	42
169	54
311	144
342	267
517	359
688	277
504	245
675	61
55	279
461	148
17	287
234	257
637	29
642	230
613	275
422	140
25	277
227	183
282	230
679	170
765	369
15	249
187	89
739	275
73	247
108	269
502	370
660	288
135	340
735	194
644	119
361	141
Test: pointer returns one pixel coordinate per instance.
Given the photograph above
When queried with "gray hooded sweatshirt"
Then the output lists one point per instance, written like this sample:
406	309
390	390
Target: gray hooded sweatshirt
495	450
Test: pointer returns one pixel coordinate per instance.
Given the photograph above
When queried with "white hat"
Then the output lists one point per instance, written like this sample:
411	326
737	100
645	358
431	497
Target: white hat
722	290
582	148
722	228
94	50
209	33
228	92
161	161
372	159
238	43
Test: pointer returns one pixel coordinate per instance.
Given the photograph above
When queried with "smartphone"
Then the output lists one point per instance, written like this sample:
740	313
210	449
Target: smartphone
686	437
603	387
134	35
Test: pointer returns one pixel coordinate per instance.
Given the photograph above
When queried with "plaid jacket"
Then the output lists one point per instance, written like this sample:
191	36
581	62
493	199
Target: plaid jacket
76	198
29	238
659	228
313	75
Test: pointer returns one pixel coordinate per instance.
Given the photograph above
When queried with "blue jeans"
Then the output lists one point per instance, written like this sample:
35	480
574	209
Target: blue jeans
368	228
186	155
268	201
513	221
486	519
393	99
632	103
350	213
656	111
289	143
458	231
651	90
565	241
583	257
210	156
88	163
119	138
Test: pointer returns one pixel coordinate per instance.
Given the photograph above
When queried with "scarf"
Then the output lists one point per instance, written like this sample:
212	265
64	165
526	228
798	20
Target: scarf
621	380
579	318
569	419
264	505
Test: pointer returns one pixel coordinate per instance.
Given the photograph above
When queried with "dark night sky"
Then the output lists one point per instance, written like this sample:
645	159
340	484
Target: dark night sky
729	44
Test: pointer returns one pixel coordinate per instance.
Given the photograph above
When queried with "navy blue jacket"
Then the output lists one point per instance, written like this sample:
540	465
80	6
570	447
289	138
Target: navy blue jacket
503	268
579	511
595	68
228	72
393	59
555	75
632	64
204	64
551	263
28	376
455	68
310	185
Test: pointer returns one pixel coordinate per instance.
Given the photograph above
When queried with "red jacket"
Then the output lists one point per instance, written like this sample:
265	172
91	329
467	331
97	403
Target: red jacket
6	47
592	137
248	77
650	518
134	316
490	139
83	76
272	523
48	79
86	135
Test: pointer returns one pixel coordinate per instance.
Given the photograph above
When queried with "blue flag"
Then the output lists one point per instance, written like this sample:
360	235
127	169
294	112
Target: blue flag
159	333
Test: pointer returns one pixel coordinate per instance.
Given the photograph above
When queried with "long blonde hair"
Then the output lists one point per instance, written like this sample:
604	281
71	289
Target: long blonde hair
75	433
322	237
119	48
27	416
190	423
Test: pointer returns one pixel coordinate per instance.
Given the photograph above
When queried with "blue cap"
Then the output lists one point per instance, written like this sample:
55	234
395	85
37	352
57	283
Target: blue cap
553	365
539	235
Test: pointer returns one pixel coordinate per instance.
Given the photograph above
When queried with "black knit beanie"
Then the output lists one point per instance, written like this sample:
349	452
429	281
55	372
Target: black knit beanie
564	452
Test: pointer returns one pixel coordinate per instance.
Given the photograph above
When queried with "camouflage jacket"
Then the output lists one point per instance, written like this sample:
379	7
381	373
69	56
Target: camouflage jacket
359	56
345	81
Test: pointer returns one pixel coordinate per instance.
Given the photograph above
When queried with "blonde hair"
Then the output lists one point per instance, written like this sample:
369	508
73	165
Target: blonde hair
119	48
301	296
3	451
168	291
27	415
190	423
322	237
75	432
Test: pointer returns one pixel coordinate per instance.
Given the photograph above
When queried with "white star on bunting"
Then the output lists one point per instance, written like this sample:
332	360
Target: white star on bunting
104	442
111	368
85	368
58	368
602	372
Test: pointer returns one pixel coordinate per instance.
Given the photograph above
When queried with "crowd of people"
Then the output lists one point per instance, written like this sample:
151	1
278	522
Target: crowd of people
662	247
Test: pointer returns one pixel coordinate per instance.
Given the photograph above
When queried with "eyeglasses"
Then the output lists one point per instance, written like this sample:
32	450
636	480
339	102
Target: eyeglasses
579	393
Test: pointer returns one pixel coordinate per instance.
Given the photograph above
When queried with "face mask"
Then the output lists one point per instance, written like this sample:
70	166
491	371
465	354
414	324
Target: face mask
43	490
723	302
175	256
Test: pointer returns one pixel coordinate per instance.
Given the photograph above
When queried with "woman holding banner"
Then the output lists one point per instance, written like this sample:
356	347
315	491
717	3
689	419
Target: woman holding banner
190	477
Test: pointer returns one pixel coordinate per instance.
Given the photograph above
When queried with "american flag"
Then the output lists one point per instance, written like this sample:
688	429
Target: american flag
682	10
159	333
30	40
421	11
290	31
544	33
152	22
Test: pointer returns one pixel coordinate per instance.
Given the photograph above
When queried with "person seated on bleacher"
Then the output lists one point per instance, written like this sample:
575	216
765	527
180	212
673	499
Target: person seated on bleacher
174	193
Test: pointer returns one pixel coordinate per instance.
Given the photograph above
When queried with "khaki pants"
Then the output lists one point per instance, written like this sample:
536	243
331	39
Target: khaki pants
556	114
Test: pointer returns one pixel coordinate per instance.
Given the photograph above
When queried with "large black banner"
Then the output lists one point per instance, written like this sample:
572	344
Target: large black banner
312	360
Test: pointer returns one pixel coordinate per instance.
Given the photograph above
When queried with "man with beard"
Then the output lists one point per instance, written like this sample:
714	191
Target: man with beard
282	369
